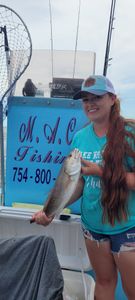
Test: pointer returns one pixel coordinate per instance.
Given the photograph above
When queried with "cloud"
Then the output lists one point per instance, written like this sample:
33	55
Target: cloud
93	28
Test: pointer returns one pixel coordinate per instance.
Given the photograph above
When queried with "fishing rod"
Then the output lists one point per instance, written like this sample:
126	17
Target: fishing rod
78	21
51	28
109	35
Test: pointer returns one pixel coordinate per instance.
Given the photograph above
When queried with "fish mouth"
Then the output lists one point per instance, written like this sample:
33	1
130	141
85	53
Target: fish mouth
75	153
73	165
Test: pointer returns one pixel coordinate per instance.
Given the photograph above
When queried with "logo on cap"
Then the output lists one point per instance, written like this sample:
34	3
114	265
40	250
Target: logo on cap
89	82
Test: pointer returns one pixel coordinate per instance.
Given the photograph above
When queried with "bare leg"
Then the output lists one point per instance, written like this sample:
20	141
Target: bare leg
104	266
126	265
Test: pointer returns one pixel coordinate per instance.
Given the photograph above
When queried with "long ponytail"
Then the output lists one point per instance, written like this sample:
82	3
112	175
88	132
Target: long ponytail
114	185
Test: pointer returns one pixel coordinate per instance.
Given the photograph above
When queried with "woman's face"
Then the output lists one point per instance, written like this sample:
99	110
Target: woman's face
97	108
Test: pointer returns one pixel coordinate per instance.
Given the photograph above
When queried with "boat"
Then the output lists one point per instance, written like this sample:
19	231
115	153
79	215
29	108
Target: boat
29	178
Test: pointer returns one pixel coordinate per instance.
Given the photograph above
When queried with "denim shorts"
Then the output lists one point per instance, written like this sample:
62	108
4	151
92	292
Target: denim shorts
121	242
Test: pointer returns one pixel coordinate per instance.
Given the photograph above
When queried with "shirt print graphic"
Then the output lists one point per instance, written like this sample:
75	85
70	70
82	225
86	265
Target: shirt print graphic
93	182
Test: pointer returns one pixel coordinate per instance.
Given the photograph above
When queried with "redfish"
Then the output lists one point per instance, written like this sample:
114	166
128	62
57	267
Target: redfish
65	184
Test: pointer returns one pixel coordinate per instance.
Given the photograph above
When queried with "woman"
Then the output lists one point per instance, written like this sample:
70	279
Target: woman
107	188
29	88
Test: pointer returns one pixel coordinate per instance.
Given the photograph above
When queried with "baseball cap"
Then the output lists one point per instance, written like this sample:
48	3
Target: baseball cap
95	84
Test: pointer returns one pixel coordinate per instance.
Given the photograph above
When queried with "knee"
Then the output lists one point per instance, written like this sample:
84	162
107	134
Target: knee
105	287
107	282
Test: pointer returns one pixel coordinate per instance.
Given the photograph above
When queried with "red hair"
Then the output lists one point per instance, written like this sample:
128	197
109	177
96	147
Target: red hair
120	143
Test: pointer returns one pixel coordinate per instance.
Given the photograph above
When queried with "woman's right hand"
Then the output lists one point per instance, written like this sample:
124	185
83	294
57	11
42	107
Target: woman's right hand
91	168
41	218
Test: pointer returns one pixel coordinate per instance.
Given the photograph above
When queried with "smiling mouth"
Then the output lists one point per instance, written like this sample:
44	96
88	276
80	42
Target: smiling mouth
92	110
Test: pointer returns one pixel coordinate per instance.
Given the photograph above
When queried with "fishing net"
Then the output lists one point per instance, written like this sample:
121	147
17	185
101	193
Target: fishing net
15	51
15	55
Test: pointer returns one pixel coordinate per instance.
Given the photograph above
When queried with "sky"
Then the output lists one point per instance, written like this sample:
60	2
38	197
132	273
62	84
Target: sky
92	35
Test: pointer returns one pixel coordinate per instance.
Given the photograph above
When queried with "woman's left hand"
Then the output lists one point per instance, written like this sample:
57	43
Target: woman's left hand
91	168
41	218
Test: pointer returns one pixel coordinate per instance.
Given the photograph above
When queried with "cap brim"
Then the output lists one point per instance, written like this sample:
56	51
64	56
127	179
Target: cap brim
83	94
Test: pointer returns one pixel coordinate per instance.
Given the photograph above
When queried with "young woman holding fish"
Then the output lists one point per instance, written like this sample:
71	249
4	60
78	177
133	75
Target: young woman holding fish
107	187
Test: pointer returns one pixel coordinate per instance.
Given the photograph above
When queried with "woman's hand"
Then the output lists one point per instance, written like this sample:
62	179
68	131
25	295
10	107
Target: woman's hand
41	218
91	168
